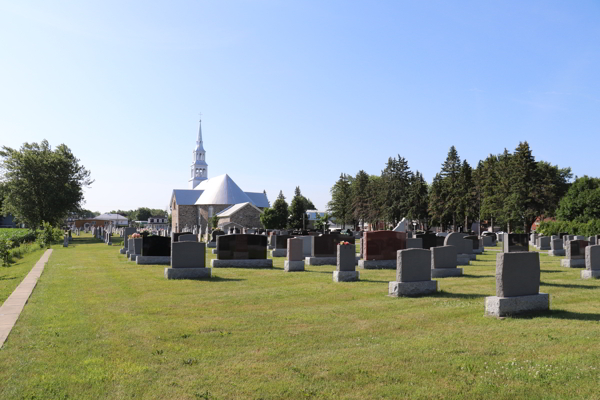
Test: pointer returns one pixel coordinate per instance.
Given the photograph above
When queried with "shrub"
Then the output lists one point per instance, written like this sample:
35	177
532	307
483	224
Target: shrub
5	246
590	228
48	235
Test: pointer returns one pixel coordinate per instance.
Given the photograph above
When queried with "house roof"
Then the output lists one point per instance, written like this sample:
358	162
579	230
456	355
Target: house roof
229	211
111	217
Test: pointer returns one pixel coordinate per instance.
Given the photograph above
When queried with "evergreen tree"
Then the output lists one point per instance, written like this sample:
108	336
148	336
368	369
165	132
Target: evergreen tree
376	199
467	195
269	219
360	196
280	208
298	217
450	187
340	205
396	181
418	198
439	212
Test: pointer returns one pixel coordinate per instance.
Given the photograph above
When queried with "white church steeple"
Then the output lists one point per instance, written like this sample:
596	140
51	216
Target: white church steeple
199	169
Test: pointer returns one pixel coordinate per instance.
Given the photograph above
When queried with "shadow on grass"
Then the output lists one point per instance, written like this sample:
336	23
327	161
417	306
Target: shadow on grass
550	272
478	276
220	279
85	241
373	280
560	314
8	279
449	295
568	285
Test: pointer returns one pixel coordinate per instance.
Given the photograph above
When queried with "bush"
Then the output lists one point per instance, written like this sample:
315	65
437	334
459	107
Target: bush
590	228
49	235
5	246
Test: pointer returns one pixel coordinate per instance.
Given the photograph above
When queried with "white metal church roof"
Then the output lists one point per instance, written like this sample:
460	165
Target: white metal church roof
221	190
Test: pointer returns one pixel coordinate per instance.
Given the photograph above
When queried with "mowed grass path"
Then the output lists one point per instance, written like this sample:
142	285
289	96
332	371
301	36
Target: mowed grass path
100	327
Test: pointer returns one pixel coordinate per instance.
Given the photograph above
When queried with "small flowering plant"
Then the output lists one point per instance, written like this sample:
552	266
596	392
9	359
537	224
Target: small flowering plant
135	236
344	243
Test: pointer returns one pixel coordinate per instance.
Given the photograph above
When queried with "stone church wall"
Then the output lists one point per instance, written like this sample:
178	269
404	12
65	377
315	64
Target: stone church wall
248	217
203	213
185	215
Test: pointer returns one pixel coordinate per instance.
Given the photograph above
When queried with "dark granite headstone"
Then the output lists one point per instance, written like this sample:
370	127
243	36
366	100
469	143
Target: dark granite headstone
156	246
576	249
215	233
515	242
560	235
281	241
175	236
429	240
439	241
326	245
241	247
475	240
383	245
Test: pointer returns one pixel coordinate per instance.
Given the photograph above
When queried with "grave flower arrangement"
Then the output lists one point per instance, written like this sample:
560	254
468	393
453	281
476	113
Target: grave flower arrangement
344	243
135	236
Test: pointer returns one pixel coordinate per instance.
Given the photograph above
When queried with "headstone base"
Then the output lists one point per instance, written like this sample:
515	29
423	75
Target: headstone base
590	273
477	251
320	260
544	248
292	266
132	257
109	244
279	253
345	276
463	259
577	263
211	245
122	251
472	257
446	272
259	263
505	306
377	264
214	251
400	289
556	253
188	273
145	260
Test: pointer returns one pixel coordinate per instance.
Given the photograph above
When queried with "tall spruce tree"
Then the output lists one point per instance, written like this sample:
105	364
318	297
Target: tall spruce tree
360	196
396	179
418	199
340	205
451	189
467	201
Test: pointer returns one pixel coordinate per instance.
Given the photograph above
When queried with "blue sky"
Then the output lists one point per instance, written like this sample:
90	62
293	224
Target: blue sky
292	93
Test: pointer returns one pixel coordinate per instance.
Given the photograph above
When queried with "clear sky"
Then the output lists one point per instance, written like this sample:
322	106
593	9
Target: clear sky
292	93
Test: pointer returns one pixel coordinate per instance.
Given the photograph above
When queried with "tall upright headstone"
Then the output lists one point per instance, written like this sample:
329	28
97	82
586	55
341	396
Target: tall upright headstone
413	274
517	285
592	262
295	255
346	264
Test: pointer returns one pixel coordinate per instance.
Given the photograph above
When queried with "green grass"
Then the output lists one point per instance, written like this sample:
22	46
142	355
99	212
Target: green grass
100	327
11	276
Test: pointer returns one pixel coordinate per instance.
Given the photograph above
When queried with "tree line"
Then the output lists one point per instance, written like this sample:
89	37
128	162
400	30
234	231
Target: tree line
510	190
284	216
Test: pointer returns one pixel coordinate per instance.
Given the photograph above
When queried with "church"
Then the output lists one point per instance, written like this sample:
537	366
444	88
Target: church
219	196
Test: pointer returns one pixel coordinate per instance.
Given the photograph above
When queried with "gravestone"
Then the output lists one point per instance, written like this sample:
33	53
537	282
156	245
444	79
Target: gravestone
187	238
471	248
592	262
402	225
324	249
188	261
66	240
129	247
213	238
456	239
295	255
556	248
155	250
414	243
135	248
346	262
443	262
544	243
242	251
517	285
380	249
127	231
575	254
592	240
413	274
515	242
429	240
280	245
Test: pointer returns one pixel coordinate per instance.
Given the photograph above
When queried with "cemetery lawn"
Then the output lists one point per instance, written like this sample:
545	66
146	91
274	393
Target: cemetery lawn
100	327
11	276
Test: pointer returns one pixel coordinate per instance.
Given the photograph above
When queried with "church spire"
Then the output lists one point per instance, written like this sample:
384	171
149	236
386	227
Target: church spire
199	168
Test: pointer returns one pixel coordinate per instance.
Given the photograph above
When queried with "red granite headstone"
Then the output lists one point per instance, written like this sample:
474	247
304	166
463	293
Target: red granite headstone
383	245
